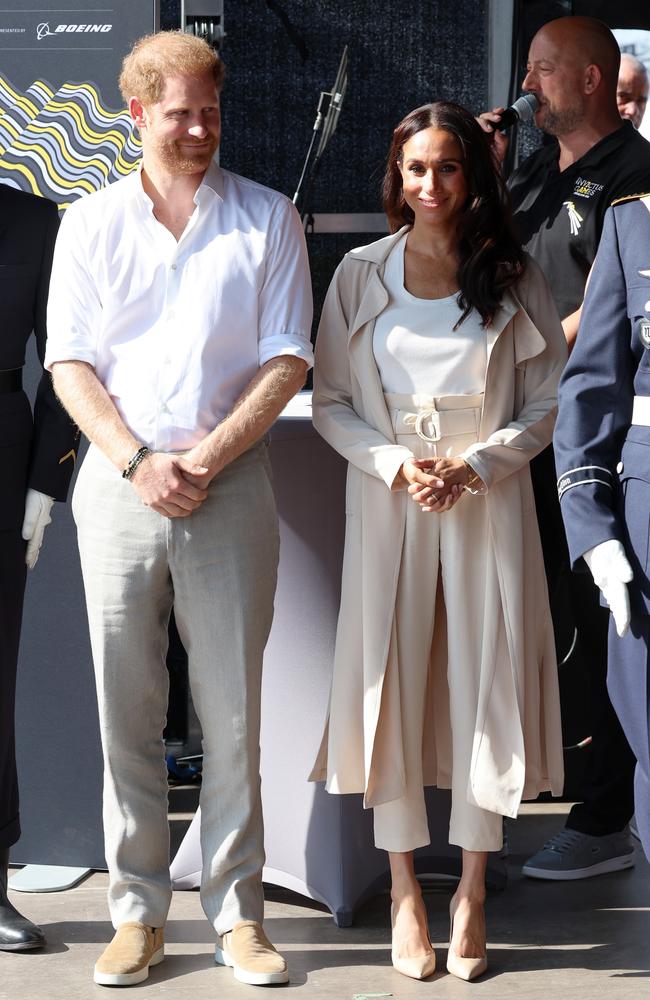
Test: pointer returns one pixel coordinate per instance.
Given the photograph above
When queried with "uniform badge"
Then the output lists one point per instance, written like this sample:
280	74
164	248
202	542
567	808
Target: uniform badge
644	333
575	219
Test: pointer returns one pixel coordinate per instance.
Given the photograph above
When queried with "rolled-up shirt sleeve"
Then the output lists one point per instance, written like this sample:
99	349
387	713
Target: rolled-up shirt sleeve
73	307
285	303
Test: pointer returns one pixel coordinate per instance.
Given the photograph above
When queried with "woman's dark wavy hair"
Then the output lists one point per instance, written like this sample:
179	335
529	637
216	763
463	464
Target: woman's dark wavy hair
491	259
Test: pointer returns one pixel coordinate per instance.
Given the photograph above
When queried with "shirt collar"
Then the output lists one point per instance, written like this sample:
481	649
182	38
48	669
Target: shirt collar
211	186
607	144
598	151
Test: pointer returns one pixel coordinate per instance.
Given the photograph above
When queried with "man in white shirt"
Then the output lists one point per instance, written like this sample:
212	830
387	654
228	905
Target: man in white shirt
179	321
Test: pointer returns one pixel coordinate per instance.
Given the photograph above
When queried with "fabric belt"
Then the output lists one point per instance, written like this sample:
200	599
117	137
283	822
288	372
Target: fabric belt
641	411
434	418
11	381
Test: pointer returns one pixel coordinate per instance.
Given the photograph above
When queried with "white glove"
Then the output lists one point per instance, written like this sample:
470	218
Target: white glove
611	572
37	517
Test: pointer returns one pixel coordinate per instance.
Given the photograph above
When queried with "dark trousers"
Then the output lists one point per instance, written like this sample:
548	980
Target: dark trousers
608	783
607	788
12	589
629	688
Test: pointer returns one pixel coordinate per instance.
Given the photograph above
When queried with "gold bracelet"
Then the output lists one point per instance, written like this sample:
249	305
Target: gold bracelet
473	477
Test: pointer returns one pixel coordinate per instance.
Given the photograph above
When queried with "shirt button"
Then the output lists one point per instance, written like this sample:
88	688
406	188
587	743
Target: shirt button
619	468
174	266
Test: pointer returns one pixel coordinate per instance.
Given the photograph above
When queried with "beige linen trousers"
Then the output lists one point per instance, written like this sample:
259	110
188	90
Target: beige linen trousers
218	568
516	748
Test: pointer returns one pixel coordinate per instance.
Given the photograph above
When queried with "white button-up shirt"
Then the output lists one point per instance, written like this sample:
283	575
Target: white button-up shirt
176	330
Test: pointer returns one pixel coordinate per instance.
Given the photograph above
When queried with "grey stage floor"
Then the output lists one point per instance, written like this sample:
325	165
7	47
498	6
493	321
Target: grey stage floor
556	941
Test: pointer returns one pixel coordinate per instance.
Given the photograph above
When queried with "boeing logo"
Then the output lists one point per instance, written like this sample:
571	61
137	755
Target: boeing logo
43	29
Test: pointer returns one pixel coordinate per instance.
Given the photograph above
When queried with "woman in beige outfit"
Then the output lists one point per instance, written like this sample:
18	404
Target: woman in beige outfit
438	358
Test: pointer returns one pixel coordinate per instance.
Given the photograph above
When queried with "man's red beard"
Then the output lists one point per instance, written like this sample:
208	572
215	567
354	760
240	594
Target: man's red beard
184	160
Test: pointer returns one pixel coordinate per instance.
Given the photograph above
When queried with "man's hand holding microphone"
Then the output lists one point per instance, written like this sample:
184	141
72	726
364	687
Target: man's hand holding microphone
498	121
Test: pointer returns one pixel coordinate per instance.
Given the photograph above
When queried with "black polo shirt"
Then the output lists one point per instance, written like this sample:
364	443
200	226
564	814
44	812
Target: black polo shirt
559	215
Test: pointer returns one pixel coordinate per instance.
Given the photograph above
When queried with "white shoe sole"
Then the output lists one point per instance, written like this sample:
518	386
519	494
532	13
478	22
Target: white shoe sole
602	868
222	957
128	978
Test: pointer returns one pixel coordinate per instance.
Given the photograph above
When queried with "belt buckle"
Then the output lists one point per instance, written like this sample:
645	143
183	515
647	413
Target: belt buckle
434	415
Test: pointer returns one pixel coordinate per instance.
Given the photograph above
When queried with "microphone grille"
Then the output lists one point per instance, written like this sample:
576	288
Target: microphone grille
526	106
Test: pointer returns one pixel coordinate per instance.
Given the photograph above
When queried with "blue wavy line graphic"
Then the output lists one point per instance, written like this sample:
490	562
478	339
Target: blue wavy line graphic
63	144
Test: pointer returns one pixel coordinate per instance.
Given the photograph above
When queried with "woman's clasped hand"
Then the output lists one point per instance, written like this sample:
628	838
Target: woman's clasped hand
436	484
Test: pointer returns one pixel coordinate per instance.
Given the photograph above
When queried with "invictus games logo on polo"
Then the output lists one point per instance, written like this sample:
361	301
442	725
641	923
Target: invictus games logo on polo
43	29
586	189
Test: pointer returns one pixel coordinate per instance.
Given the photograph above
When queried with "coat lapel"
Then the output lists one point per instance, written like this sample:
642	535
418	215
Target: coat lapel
502	317
528	341
373	301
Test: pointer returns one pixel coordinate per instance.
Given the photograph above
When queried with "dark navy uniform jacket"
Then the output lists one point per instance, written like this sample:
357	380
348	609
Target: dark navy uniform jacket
36	452
603	460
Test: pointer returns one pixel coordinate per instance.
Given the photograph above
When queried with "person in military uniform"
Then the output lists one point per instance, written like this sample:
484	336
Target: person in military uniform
560	196
602	451
38	456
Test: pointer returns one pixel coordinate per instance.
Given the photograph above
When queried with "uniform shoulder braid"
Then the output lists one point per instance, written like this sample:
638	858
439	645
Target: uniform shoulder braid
630	197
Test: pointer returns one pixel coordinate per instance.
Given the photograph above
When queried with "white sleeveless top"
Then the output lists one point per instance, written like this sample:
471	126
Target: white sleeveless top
415	345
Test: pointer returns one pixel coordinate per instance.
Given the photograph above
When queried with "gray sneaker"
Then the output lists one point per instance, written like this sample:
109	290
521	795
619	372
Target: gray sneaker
571	855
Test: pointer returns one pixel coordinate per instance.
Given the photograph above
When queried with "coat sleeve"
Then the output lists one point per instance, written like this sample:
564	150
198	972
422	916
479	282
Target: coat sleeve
54	443
334	415
595	403
511	447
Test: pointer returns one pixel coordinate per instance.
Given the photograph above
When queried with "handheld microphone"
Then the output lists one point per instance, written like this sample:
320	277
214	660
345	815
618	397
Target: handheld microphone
523	110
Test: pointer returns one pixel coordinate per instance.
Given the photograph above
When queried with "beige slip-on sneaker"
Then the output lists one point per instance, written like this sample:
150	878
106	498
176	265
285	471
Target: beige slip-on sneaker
127	959
251	956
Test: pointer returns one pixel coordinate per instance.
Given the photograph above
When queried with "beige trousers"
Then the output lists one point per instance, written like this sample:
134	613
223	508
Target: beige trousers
218	568
442	572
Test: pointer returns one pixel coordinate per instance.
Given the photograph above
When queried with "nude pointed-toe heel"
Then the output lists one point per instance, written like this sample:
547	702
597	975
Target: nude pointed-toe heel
463	968
417	967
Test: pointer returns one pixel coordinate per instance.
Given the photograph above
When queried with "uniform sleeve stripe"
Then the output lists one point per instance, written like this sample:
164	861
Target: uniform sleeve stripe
583	468
580	482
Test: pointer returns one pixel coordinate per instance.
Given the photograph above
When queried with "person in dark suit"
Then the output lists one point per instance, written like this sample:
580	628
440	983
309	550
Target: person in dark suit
38	455
602	451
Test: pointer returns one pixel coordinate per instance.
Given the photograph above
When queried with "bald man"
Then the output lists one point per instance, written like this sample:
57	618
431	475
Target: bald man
560	196
632	89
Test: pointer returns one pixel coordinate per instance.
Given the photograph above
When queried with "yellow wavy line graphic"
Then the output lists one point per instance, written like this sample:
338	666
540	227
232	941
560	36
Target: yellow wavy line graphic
22	170
77	114
63	144
20	99
10	126
52	172
76	130
66	154
95	97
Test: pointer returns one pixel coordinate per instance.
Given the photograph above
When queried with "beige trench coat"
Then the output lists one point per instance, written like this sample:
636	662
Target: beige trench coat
517	750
